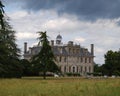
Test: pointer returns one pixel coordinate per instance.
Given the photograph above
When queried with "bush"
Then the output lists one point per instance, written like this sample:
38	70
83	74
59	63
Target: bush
73	74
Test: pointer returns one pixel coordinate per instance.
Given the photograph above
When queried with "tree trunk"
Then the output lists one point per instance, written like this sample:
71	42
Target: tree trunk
44	71
44	74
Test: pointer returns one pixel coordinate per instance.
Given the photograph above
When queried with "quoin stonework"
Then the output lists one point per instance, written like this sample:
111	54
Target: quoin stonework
71	58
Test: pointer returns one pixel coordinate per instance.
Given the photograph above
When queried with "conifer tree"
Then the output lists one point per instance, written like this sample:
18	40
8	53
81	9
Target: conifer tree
45	59
9	53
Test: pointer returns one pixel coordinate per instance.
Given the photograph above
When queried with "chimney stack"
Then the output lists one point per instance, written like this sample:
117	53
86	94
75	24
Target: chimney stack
25	47
92	49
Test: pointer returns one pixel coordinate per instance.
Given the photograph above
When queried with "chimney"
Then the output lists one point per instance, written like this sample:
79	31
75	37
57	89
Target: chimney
92	49
52	42
25	47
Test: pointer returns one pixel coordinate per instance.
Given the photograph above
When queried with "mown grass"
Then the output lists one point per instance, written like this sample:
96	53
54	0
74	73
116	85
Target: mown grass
59	87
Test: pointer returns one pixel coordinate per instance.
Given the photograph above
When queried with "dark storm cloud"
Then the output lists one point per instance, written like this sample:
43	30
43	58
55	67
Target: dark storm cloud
86	9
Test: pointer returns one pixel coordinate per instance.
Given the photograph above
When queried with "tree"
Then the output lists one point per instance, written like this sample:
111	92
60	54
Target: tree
97	70
112	63
27	68
9	53
45	61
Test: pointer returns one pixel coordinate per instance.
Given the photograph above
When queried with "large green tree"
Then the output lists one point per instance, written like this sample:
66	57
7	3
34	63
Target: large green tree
9	53
45	61
112	63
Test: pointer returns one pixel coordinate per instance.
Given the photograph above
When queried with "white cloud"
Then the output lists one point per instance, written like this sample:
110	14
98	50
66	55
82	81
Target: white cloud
99	50
104	34
80	39
21	36
19	15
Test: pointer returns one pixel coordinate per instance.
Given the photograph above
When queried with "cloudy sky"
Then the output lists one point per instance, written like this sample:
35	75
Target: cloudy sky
83	21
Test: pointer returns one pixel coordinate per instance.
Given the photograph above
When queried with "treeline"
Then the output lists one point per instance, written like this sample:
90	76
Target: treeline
111	66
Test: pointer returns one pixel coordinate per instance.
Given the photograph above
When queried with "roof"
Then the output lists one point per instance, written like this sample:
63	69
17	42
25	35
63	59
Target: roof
64	51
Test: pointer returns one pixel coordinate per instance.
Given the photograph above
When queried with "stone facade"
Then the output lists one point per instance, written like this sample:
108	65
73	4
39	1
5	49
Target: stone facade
71	58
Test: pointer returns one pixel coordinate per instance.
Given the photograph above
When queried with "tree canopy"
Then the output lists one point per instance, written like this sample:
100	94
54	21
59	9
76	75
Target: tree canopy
112	63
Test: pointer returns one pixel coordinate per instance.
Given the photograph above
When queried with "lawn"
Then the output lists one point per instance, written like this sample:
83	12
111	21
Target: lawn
59	87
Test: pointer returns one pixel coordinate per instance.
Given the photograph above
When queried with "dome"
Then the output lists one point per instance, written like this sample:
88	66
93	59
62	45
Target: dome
59	37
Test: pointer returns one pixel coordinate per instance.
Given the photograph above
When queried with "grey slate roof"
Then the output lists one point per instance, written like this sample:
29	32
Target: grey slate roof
61	50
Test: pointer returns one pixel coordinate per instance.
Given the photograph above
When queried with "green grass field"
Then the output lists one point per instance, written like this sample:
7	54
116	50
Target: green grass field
59	87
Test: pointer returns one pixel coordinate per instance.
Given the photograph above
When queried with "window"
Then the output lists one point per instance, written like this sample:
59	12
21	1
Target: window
89	69
65	59
85	69
81	59
60	59
65	69
85	60
89	60
77	59
69	69
73	51
81	68
73	69
77	69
